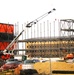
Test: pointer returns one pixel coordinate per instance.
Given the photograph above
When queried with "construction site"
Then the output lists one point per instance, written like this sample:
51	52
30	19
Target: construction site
39	40
47	42
44	39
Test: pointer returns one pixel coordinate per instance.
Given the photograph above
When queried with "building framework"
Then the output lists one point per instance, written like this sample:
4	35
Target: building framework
46	43
48	47
67	29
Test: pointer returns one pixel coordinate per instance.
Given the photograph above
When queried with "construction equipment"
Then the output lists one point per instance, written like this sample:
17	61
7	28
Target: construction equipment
39	18
14	40
69	56
28	26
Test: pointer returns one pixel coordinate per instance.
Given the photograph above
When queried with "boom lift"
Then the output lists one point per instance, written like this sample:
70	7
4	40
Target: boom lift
27	26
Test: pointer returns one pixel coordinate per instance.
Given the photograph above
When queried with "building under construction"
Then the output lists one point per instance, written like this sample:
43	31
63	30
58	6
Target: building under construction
45	39
47	44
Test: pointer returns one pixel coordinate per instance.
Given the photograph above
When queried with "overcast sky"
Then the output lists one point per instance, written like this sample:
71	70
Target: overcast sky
13	11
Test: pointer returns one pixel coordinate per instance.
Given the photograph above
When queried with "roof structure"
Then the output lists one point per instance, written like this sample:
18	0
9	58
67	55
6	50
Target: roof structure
67	20
47	39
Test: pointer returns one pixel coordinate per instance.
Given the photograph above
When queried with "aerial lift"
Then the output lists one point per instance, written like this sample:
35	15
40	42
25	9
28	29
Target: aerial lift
27	26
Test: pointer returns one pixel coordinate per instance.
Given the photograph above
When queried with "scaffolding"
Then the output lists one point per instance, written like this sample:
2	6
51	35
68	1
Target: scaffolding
67	30
48	39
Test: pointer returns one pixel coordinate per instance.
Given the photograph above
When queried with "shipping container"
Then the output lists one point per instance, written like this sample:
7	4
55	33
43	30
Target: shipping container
6	28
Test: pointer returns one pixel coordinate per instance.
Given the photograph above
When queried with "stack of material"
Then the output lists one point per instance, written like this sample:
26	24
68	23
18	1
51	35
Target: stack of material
46	67
62	66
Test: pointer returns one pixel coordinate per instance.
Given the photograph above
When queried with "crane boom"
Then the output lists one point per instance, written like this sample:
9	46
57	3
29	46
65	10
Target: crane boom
28	25
13	41
39	18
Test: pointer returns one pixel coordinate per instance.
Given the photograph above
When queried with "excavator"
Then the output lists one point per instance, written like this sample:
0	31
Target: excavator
4	55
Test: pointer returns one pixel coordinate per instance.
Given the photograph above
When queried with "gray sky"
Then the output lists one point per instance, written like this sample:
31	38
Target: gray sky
13	11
